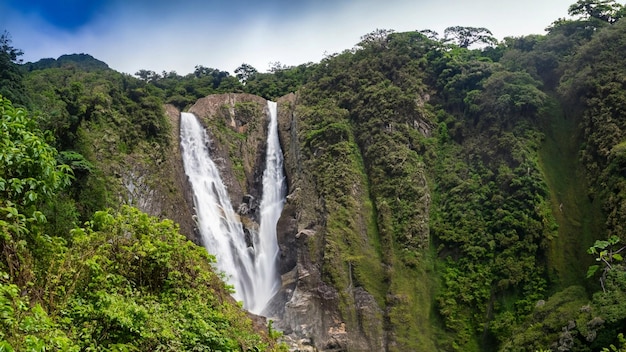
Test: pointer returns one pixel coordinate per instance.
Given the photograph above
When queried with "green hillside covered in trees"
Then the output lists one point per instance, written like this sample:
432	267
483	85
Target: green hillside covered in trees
489	178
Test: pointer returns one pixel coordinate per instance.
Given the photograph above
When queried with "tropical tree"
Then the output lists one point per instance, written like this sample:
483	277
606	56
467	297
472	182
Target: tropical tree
29	178
608	255
11	85
8	51
148	75
245	72
430	34
29	172
603	10
466	36
376	39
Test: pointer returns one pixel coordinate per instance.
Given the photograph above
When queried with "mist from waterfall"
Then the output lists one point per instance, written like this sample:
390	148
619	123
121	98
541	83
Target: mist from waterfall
253	271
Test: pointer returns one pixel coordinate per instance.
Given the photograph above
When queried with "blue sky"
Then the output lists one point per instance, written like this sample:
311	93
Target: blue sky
179	34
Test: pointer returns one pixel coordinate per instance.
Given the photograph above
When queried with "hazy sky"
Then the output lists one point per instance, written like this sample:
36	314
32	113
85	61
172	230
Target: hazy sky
179	34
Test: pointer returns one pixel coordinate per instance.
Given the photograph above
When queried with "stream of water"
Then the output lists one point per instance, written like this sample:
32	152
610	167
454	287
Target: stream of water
252	270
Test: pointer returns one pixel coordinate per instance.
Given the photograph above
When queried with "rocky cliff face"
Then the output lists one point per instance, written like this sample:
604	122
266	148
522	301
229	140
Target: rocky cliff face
319	313
236	124
333	296
159	187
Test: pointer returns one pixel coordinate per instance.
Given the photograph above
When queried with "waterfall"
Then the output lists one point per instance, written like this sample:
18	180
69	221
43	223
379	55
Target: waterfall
272	203
251	270
219	225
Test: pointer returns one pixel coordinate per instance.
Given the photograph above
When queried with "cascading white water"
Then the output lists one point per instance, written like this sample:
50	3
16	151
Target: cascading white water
219	225
272	203
251	270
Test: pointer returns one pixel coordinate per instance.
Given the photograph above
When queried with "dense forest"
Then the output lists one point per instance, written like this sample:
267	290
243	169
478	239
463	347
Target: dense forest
474	188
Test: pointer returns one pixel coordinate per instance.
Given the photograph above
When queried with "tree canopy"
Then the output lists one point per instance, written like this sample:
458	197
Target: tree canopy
604	10
11	85
466	36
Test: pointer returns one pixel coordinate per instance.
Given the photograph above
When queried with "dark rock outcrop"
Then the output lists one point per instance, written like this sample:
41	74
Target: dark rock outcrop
160	187
312	314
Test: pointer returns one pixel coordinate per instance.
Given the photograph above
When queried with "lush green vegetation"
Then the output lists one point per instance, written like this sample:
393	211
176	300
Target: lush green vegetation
358	113
466	129
459	187
349	261
183	91
11	85
126	282
122	281
473	147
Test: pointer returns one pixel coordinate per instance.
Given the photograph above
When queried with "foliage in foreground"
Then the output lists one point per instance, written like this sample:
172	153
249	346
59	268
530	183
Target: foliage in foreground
124	281
129	282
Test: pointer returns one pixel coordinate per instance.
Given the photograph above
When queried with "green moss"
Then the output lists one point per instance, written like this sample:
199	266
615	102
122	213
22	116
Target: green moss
548	321
247	113
410	306
351	252
579	219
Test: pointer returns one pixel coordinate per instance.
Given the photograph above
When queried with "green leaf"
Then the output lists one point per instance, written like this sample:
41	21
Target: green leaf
601	244
12	212
592	270
39	217
618	257
5	347
603	254
613	240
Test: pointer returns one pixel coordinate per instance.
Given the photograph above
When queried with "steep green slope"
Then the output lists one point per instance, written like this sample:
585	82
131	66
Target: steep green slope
375	129
592	83
582	164
492	223
579	218
500	164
